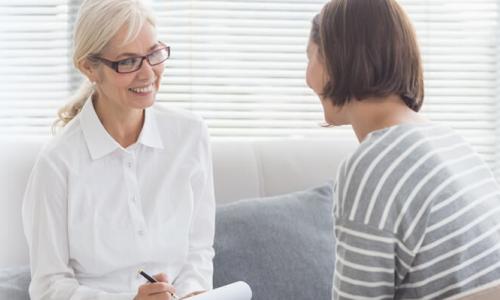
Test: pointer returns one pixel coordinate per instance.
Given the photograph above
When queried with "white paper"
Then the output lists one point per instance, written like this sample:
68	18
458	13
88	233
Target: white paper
235	291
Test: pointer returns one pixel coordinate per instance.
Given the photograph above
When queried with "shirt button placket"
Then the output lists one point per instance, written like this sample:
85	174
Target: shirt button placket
134	198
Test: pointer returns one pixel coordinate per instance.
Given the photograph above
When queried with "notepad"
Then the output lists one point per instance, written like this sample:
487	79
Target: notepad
235	291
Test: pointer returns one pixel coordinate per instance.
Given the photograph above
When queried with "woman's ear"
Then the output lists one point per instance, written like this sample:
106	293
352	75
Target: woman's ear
88	68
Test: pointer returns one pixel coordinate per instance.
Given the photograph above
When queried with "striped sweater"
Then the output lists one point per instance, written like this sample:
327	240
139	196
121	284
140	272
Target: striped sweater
417	216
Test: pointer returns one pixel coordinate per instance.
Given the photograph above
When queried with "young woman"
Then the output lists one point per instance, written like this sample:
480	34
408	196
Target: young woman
125	185
417	212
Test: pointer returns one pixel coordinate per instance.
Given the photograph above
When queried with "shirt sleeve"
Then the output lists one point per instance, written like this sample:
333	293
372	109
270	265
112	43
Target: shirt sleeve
366	262
197	272
45	226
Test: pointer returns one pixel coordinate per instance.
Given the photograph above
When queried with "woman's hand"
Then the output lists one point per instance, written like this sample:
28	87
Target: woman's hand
193	294
160	290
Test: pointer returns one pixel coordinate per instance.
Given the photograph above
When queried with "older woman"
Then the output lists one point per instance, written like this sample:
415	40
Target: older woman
417	212
125	185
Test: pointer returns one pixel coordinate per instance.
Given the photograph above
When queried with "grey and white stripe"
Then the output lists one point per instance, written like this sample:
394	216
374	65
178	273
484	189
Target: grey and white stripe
417	216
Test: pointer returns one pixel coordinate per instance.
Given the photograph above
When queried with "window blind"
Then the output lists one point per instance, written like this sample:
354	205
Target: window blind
241	64
34	60
459	48
496	166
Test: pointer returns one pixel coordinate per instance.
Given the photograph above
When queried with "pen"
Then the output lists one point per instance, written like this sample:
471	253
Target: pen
152	280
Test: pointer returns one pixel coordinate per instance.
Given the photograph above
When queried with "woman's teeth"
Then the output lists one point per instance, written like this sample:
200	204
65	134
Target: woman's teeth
142	90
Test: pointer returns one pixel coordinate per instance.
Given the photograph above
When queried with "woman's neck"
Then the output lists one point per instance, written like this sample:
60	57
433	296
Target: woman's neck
123	125
377	113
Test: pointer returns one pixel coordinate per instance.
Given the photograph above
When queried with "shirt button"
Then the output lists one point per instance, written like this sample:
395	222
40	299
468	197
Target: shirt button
129	164
140	232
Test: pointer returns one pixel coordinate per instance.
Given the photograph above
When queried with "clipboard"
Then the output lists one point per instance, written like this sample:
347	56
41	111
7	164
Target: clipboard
238	290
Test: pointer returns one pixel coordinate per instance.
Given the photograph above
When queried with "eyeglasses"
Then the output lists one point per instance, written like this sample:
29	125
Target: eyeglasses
133	64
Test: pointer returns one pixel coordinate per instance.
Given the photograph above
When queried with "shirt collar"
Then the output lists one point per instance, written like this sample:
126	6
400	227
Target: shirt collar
150	135
101	143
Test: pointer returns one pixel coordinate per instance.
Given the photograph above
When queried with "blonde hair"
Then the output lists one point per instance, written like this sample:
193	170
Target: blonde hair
97	22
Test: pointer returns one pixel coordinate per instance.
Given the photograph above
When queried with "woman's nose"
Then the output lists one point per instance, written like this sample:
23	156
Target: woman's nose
146	70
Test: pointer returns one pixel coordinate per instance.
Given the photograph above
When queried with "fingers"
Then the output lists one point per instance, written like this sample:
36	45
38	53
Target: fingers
150	289
161	277
193	294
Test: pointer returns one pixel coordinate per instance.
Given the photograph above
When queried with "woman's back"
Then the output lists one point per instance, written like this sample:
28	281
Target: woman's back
416	216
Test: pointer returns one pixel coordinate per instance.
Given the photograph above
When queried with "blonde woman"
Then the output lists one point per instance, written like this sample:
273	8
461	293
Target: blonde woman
417	212
125	185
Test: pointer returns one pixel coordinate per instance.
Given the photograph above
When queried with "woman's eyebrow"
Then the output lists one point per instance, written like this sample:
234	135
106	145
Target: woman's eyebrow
135	54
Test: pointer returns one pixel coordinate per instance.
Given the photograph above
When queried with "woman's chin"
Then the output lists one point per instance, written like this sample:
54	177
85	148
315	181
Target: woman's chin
333	121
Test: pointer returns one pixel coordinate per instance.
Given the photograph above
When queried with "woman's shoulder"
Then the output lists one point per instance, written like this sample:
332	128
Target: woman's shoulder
402	145
406	131
390	163
63	143
395	139
169	115
179	125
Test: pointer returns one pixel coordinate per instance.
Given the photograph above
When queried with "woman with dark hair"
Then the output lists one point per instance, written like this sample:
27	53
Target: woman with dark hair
417	212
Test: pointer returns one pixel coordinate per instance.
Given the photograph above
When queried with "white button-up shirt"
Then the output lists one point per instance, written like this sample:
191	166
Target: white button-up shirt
94	213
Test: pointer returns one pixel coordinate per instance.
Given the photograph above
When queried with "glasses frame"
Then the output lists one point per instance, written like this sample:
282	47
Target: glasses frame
114	64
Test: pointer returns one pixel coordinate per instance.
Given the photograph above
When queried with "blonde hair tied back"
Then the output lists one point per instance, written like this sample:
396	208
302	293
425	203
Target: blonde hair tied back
93	30
75	104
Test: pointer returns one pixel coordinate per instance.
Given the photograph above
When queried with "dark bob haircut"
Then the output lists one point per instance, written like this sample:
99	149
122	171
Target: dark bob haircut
369	49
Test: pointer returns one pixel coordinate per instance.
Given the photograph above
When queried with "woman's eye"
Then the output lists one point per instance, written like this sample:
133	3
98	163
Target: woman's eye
156	54
128	62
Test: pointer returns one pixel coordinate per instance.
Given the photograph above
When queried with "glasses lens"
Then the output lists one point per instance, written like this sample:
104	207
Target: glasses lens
158	56
129	64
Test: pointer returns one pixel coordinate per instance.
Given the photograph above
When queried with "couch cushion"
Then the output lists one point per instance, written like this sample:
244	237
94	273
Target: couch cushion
265	168
282	246
17	156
